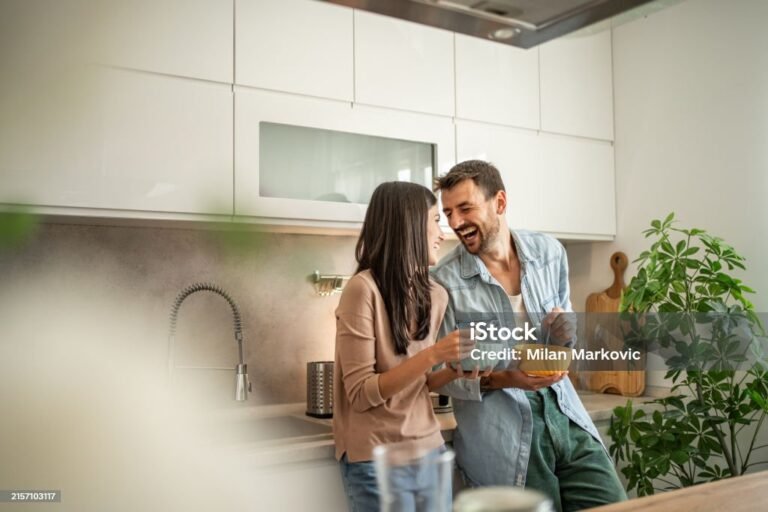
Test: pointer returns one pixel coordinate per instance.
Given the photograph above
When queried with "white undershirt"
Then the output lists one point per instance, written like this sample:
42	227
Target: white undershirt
518	307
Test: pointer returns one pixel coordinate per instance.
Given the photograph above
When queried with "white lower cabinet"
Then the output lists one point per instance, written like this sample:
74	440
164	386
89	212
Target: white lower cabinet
559	185
310	161
119	140
308	486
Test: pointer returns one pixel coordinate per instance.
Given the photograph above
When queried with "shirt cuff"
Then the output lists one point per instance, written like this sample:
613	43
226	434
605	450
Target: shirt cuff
372	392
472	387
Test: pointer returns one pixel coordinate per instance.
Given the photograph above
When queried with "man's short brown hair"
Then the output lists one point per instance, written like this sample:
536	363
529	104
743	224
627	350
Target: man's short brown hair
484	174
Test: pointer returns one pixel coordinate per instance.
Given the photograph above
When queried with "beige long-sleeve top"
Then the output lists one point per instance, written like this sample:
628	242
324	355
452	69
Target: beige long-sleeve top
362	418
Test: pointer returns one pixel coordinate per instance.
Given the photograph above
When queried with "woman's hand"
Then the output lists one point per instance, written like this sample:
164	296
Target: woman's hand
518	379
448	374
453	347
474	374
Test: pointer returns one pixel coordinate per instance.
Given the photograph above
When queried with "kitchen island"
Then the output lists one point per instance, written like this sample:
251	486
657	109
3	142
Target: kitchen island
739	494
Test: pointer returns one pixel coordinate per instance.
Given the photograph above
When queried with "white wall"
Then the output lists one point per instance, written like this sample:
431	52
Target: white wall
691	118
691	107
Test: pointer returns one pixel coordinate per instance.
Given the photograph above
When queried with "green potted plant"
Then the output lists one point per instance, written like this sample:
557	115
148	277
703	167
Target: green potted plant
685	304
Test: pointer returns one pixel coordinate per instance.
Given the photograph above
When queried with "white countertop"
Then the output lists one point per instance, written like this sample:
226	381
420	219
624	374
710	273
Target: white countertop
321	447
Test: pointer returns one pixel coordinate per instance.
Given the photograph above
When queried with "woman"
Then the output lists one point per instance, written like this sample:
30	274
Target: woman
386	322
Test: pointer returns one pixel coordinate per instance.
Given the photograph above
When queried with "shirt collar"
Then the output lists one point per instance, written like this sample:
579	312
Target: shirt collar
472	265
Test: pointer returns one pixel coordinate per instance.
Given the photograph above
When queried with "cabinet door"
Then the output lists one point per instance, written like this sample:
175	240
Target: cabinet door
120	140
556	184
497	83
191	38
577	86
298	46
578	192
515	154
403	65
292	184
275	487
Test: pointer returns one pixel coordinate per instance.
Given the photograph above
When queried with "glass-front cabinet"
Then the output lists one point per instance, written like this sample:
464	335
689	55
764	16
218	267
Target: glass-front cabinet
316	162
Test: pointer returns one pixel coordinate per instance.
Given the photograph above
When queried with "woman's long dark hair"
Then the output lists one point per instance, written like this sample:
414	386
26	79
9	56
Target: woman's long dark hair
393	245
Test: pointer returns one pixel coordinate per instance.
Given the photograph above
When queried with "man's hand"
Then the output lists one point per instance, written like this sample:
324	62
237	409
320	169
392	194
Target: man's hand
560	326
518	379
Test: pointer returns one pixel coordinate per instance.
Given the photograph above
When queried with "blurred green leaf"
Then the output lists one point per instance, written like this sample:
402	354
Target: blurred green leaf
17	226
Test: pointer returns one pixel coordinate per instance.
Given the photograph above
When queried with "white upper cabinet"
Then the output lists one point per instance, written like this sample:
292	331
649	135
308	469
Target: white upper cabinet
515	154
120	140
577	86
556	184
403	65
299	46
310	160
497	83
191	38
129	107
578	191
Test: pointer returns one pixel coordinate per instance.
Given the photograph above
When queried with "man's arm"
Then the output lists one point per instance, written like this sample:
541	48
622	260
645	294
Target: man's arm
564	291
464	388
517	379
561	321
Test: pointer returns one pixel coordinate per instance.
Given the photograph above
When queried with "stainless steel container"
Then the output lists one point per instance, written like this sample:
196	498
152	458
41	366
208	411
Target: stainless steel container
320	389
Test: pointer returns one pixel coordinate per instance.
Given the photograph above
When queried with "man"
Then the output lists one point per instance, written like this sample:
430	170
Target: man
516	429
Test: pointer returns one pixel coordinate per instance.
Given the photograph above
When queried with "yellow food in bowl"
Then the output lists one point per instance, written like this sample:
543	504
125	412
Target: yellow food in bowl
543	360
544	373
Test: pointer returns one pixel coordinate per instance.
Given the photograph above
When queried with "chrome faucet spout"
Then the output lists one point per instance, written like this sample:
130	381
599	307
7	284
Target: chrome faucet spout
242	384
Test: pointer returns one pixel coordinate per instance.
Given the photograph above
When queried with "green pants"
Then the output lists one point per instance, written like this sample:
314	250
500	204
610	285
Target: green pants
567	463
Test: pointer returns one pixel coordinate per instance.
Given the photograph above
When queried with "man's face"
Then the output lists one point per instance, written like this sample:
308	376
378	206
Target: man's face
474	219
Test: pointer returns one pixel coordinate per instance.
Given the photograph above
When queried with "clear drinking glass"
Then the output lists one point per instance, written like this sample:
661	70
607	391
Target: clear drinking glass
411	478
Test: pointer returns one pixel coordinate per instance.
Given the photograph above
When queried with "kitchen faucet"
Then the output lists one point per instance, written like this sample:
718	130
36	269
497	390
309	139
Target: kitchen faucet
242	385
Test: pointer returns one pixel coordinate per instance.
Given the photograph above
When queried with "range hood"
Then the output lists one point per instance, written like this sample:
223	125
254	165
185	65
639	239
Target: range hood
521	23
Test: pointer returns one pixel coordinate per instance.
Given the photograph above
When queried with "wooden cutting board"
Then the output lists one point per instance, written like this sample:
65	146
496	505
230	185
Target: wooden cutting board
602	330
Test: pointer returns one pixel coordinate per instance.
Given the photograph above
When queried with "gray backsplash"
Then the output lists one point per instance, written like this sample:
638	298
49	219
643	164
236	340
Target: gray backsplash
108	290
117	284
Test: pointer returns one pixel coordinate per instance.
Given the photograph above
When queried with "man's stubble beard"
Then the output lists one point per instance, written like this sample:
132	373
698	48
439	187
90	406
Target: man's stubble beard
490	238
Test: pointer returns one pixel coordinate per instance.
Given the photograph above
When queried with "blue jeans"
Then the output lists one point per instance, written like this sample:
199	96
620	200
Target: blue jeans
415	486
